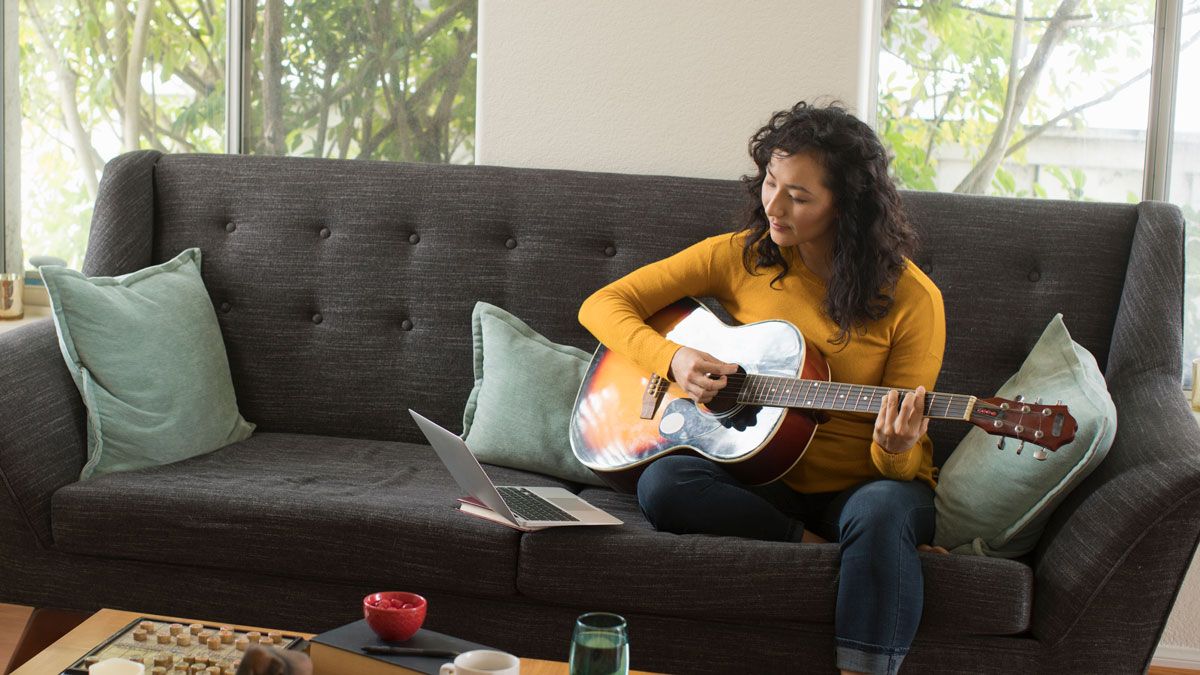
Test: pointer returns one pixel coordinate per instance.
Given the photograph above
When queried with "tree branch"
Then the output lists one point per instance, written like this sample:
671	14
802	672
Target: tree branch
996	15
272	95
66	95
198	37
133	76
980	175
458	67
1042	128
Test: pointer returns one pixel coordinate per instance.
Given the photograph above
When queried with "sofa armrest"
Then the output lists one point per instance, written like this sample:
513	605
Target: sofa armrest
1121	543
43	440
1081	554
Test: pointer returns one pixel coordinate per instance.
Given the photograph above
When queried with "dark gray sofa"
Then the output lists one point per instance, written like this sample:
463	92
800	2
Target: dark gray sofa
344	291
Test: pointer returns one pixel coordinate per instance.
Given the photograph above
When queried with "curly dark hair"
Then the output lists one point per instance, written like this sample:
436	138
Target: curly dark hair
873	236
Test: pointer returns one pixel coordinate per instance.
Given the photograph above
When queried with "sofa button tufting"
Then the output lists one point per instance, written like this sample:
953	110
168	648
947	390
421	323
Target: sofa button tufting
230	227
317	318
406	324
225	307
1035	275
325	232
511	243
414	238
610	251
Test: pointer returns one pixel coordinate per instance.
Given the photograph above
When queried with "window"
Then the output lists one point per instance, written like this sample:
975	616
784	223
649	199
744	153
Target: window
1037	98
100	77
376	80
97	79
1184	183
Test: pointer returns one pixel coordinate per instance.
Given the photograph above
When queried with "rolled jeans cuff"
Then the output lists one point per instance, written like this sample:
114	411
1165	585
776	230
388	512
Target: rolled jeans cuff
864	658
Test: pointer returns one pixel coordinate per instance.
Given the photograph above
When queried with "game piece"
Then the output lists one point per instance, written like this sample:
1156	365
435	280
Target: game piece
176	649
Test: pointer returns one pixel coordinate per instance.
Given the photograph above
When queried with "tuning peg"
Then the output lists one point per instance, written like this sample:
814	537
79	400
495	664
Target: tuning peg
1000	443
1038	401
1039	455
1019	397
1020	446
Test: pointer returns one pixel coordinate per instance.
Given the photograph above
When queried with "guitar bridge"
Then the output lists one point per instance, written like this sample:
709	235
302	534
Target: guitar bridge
652	396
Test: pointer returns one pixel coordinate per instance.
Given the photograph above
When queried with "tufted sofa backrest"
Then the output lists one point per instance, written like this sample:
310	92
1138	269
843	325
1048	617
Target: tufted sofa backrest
344	289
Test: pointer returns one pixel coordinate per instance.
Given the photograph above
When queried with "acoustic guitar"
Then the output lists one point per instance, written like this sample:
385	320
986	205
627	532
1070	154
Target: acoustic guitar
760	424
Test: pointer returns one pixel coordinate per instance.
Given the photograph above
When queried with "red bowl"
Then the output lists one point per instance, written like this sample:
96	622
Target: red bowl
395	616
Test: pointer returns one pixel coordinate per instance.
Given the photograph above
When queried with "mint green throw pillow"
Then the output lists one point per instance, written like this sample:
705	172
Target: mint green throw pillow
519	413
996	503
147	356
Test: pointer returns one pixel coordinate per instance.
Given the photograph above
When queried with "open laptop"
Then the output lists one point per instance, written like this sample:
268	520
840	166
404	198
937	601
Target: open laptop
526	507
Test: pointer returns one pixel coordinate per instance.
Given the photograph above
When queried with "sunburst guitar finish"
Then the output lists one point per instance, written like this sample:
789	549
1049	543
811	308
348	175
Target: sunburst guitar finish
755	443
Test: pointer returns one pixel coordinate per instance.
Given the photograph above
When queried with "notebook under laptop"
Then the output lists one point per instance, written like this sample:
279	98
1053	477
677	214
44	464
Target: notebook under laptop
527	507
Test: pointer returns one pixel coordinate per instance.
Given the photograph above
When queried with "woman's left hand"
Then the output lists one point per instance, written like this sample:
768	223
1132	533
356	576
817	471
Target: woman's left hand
897	428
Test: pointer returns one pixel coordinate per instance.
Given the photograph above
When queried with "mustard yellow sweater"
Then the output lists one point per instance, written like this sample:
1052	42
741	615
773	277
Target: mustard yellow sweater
903	349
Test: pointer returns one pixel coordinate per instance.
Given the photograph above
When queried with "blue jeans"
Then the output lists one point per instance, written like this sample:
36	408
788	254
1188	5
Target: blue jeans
877	523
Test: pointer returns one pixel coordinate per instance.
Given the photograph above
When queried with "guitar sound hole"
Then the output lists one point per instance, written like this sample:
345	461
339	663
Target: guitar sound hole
726	398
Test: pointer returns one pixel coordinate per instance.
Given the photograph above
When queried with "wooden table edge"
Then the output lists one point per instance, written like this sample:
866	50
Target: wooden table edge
58	656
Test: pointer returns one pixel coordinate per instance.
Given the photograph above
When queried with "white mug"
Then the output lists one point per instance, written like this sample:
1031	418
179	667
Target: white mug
482	662
117	667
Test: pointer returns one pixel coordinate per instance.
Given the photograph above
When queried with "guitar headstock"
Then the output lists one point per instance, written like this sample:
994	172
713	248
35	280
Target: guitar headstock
1049	426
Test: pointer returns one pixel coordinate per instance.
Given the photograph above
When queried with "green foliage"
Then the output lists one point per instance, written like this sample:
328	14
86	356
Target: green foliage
951	86
384	79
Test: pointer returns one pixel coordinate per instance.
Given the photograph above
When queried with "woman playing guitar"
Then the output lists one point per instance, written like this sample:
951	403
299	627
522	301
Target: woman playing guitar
824	245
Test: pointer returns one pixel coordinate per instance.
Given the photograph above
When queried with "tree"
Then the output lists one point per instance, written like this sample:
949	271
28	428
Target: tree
980	76
380	79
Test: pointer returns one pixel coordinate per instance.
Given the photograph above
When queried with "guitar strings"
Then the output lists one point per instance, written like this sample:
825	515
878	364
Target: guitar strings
936	403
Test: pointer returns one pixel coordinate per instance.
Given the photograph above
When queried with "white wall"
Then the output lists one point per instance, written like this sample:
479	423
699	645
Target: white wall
663	87
676	87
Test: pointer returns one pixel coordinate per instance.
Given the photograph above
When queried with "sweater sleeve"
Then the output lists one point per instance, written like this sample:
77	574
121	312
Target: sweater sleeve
616	314
915	359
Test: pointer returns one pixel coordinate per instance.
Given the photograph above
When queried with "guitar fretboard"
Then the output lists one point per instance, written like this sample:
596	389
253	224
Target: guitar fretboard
789	392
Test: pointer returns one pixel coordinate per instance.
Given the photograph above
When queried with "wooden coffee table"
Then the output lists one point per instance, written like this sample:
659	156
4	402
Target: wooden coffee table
61	654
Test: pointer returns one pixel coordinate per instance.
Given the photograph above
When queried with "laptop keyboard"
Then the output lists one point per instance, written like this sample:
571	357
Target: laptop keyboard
529	506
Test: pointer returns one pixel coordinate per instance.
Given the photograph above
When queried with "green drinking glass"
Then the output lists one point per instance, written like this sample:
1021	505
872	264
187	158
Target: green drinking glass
600	645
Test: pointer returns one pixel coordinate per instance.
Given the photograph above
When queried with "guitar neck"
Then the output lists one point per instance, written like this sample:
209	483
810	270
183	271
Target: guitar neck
787	392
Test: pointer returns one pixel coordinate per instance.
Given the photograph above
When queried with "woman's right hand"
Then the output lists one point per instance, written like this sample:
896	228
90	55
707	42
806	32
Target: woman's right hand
691	369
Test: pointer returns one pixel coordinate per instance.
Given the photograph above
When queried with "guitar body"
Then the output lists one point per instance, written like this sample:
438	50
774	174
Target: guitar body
756	444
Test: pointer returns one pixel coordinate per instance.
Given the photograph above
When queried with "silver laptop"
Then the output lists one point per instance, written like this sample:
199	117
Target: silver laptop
524	506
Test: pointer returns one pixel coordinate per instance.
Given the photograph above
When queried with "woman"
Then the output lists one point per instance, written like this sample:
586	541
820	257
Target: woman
826	246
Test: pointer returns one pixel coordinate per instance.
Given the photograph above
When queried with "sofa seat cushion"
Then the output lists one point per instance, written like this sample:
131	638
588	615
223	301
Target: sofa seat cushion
633	568
367	512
